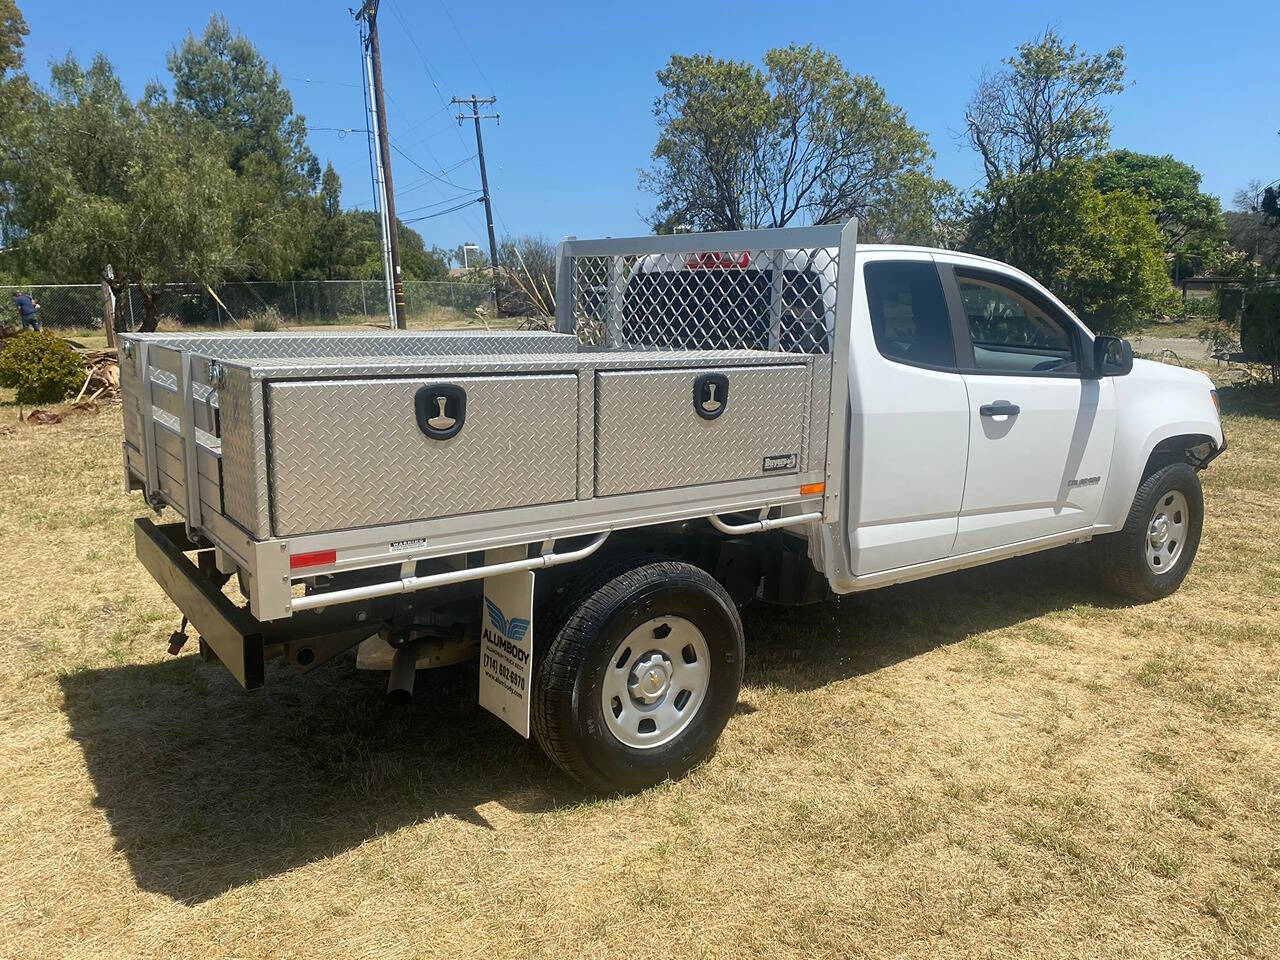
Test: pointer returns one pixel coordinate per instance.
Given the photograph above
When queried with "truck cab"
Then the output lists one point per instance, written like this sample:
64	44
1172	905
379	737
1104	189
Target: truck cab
985	421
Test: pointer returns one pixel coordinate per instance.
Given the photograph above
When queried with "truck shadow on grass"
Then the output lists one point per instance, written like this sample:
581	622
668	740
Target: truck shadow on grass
808	647
207	787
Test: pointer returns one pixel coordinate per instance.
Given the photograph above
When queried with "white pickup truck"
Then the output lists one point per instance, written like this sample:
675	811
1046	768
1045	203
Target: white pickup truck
773	415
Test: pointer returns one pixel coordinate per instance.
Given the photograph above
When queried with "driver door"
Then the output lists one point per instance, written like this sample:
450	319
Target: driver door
1040	435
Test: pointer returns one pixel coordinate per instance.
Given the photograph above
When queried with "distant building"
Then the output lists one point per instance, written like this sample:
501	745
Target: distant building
1202	288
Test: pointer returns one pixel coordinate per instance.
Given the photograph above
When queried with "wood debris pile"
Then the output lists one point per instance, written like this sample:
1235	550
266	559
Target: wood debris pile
101	382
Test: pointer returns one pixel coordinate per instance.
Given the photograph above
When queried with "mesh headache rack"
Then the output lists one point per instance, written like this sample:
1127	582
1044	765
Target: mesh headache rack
673	293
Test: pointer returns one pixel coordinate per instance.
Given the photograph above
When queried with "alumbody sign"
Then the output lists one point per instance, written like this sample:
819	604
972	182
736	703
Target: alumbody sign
506	648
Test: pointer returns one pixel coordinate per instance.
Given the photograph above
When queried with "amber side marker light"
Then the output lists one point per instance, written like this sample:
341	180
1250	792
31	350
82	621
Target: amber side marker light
1217	403
812	489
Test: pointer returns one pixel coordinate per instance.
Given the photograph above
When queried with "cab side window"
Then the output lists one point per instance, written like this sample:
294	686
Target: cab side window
909	313
1011	332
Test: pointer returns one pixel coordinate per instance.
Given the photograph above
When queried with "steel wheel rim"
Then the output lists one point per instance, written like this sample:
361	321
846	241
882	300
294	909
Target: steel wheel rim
1167	531
655	682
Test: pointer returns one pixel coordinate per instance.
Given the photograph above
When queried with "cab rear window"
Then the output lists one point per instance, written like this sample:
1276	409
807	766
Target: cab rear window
909	315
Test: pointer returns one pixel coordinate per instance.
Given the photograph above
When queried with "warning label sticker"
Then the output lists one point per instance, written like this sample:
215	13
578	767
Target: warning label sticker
506	648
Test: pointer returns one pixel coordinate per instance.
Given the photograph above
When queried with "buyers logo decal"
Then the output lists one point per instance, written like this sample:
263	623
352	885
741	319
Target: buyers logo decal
506	635
781	461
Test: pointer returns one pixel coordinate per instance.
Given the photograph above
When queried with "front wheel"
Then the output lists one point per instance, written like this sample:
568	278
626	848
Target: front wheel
1149	558
637	684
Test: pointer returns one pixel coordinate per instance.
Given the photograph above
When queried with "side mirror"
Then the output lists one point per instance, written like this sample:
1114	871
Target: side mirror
1112	357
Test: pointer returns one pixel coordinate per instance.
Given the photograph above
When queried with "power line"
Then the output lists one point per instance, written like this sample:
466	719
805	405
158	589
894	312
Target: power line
445	105
435	85
340	131
465	47
334	83
471	220
469	197
441	213
433	176
427	119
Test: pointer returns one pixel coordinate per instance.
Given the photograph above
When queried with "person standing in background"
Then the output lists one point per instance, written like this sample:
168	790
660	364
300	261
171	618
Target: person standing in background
27	308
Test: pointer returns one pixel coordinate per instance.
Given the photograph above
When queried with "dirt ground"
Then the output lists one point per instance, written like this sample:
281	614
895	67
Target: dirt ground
1001	762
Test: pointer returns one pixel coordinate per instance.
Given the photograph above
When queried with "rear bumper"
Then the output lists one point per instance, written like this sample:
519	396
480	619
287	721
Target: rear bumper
234	635
240	640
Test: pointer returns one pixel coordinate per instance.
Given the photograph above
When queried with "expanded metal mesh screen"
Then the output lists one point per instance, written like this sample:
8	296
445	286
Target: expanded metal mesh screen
753	299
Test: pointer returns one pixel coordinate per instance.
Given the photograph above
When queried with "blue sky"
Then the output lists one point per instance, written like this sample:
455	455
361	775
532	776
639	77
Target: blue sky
576	83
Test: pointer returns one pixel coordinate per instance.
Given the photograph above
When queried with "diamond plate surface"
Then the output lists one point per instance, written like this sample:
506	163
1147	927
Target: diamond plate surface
292	346
350	454
819	413
649	437
271	369
586	434
244	453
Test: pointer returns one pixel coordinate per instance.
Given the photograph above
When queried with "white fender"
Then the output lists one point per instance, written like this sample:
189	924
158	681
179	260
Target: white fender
1154	402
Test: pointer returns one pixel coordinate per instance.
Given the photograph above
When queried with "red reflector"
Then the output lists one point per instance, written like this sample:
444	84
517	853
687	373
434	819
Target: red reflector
317	559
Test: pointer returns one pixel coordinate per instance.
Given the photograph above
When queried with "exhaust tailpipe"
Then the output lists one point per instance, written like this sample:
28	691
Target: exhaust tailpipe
404	666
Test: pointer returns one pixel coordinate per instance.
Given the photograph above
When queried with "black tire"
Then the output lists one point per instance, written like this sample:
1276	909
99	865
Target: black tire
567	713
1121	558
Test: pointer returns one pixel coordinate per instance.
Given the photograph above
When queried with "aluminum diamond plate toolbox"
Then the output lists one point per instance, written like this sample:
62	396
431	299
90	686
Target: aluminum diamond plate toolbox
663	429
690	377
353	453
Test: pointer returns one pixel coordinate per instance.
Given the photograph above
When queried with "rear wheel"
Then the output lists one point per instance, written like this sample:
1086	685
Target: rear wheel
641	676
1150	557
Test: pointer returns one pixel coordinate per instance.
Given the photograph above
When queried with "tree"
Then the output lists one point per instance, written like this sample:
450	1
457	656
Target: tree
470	256
416	261
15	101
1044	107
1101	253
1190	221
333	254
13	34
801	140
223	87
107	183
222	79
1251	229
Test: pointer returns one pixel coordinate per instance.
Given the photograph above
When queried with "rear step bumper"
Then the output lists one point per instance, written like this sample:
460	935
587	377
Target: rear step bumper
240	640
233	634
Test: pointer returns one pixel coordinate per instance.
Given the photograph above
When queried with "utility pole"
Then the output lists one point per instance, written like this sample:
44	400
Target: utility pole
380	203
476	103
368	12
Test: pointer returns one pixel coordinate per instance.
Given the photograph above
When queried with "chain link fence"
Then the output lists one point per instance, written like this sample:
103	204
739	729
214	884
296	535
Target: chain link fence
304	302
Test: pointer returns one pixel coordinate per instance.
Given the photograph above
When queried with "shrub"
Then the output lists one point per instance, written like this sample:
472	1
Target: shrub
1207	308
42	367
267	320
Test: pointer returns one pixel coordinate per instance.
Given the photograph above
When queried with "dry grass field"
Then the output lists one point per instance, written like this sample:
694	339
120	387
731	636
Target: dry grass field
1002	762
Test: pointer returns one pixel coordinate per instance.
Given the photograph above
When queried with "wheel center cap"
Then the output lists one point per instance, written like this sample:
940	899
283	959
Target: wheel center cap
1159	530
650	678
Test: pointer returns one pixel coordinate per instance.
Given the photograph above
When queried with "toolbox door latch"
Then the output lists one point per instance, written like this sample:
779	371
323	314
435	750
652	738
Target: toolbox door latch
710	395
441	409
